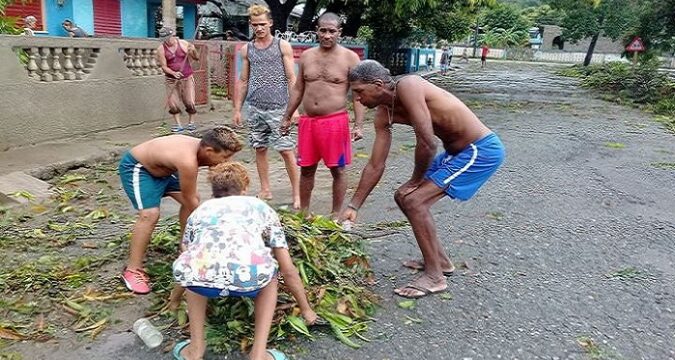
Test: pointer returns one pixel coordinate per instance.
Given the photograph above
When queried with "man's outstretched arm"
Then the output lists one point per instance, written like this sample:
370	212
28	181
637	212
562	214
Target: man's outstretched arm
295	98
373	171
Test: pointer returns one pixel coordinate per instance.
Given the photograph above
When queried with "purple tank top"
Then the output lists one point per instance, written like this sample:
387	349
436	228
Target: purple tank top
178	61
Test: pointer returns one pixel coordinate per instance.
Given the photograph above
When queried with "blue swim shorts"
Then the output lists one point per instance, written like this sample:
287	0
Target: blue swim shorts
462	174
212	293
143	189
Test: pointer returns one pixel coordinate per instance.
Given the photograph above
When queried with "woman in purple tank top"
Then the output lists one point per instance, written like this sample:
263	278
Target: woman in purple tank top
174	57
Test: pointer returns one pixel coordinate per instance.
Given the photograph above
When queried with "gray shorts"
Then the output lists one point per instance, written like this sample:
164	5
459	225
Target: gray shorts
264	131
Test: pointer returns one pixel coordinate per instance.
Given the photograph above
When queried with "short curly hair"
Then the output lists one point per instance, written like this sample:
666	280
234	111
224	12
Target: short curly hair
222	138
228	179
257	10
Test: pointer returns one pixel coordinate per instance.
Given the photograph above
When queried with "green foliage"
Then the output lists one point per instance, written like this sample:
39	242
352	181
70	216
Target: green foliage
334	270
543	15
656	24
504	17
219	91
8	24
365	33
642	85
586	18
499	37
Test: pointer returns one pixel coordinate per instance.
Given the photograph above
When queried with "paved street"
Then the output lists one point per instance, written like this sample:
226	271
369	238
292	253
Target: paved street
568	251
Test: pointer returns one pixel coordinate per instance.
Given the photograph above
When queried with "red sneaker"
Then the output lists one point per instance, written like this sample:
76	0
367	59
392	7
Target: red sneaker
136	281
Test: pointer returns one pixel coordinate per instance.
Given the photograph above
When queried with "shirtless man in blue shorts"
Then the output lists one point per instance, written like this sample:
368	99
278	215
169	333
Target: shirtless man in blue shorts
472	153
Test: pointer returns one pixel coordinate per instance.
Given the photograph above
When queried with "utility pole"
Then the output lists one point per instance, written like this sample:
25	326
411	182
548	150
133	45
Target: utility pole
169	13
475	40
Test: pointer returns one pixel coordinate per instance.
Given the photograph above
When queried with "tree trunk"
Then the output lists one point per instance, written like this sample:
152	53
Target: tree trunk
354	14
307	19
591	48
280	13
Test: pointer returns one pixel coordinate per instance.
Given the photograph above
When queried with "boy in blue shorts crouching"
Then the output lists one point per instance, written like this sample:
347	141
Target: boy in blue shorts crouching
166	166
232	246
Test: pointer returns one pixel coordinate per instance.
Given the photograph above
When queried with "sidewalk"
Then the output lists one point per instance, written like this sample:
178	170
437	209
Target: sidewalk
50	159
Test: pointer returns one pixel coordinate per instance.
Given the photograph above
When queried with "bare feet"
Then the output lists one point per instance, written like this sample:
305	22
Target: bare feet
422	286
415	264
265	195
296	202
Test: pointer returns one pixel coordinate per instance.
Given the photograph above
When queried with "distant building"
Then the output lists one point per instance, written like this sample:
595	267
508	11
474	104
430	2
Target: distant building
552	39
105	18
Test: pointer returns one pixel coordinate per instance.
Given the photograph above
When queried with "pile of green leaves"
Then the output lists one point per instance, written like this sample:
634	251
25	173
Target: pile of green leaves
334	270
641	85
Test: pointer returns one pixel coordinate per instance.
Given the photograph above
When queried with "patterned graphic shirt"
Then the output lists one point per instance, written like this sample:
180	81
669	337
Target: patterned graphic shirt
228	242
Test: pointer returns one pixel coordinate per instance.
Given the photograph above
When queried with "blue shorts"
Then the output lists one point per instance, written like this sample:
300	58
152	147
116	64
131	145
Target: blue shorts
143	189
462	174
212	293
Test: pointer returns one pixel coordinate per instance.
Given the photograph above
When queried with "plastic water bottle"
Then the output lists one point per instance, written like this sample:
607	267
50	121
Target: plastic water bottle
148	333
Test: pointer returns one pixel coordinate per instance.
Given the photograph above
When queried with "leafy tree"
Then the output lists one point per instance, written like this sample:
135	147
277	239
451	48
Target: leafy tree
499	37
448	21
656	25
594	18
543	15
505	17
280	11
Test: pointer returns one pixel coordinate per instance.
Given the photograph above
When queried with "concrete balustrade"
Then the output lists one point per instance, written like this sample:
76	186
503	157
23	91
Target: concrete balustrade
55	87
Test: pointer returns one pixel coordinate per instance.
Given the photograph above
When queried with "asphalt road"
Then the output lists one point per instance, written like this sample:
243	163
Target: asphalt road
568	252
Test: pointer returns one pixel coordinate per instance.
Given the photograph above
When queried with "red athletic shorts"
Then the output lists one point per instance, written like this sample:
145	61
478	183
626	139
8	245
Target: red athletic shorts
324	137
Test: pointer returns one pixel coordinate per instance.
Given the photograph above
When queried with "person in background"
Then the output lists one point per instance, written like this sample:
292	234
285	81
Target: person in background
30	22
72	29
174	56
483	56
444	61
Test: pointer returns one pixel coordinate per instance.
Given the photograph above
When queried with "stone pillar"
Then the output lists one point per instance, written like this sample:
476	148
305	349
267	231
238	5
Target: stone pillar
169	13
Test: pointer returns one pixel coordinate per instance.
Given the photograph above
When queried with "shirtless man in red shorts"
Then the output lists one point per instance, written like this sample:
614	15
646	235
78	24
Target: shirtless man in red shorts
323	130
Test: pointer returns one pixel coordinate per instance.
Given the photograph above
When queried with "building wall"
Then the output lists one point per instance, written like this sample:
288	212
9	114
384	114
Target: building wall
604	45
189	21
112	90
55	15
134	19
83	15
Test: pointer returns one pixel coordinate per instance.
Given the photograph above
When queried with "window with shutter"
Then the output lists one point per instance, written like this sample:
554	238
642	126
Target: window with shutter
107	19
20	10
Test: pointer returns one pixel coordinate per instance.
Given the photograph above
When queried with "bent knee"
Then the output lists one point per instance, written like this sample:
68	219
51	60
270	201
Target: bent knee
407	202
149	215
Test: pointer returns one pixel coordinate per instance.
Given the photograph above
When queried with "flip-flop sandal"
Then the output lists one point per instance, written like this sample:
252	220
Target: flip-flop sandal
319	322
178	348
277	355
445	273
425	292
177	129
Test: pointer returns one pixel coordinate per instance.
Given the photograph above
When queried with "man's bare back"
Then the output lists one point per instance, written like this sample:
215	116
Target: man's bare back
453	122
325	77
164	155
